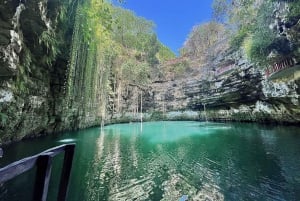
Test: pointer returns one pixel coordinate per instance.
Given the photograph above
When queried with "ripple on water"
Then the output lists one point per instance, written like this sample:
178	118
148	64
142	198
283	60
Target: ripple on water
135	189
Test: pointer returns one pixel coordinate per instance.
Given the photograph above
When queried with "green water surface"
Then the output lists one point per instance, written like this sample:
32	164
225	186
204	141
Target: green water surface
166	160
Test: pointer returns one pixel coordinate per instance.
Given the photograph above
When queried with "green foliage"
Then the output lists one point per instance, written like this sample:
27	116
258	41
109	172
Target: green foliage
97	19
294	7
258	46
136	33
202	38
135	72
220	10
250	22
122	119
262	37
26	59
3	119
157	115
130	30
237	40
25	68
152	48
180	67
49	40
164	53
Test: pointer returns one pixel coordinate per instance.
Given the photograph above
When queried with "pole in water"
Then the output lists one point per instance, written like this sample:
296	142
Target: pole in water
205	111
1	152
141	111
141	107
102	124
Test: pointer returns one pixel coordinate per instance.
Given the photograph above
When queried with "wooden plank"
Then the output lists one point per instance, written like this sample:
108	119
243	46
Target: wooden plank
55	150
66	171
44	166
59	149
14	169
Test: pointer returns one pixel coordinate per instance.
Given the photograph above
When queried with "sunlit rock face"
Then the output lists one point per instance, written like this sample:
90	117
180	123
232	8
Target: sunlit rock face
241	92
233	90
246	94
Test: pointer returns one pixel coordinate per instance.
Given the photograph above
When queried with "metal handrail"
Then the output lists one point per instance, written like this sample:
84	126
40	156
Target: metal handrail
43	162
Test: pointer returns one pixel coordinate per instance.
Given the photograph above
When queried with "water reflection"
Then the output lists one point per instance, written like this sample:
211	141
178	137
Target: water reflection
171	163
157	172
205	161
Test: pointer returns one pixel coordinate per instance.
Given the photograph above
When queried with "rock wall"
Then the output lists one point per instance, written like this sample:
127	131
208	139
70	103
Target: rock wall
36	39
240	92
234	90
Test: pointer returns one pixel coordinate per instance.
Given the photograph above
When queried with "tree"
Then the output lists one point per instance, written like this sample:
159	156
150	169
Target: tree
129	29
136	33
252	26
221	9
164	53
202	38
135	72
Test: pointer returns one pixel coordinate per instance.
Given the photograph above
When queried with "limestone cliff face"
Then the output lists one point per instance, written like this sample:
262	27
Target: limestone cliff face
31	69
35	40
237	91
244	93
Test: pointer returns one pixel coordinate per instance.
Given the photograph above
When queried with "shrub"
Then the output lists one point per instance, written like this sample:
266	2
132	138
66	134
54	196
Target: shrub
259	45
157	115
238	39
3	119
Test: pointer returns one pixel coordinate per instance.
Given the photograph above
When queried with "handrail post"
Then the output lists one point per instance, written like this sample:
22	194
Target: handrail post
65	173
43	162
44	165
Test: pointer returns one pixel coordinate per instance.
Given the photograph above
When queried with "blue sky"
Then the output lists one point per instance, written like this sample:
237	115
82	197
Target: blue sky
174	19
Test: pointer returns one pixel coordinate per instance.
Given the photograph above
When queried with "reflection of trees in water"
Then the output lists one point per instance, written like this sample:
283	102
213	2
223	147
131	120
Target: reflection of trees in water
241	162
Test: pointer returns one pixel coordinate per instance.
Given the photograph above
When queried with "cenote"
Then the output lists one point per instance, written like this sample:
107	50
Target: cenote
166	160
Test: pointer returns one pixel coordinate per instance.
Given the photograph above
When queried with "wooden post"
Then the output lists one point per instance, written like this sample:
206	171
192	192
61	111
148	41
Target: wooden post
44	164
66	171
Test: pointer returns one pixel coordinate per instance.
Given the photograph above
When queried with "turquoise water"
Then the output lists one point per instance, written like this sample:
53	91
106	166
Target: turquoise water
166	160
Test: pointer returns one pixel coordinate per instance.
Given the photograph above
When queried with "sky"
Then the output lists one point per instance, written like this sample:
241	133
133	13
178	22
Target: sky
174	19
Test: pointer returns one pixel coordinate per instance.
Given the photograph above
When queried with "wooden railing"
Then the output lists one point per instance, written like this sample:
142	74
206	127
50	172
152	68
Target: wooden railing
43	162
279	66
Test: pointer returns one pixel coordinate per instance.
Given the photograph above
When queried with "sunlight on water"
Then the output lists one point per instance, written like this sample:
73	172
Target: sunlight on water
160	132
67	140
